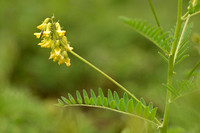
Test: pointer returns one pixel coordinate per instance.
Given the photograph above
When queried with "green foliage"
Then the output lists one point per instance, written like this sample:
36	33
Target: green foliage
123	105
154	34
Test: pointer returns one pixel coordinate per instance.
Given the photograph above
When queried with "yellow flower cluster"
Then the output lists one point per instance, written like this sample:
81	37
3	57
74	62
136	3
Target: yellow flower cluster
54	38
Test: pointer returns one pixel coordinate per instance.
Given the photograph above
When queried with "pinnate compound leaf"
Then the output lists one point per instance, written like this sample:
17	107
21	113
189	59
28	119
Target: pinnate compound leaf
154	34
112	102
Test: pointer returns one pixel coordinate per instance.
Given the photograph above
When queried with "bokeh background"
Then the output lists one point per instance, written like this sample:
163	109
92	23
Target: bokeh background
30	83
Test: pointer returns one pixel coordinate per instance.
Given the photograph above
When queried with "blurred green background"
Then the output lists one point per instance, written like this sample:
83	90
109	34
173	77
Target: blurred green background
30	83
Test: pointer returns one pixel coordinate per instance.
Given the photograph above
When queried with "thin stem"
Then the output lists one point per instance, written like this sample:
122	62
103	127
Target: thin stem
111	79
180	40
154	13
186	17
102	107
192	71
163	129
104	74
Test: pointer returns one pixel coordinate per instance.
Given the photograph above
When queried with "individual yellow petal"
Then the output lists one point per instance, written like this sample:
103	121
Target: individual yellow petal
56	58
64	40
57	43
46	33
57	51
68	47
52	55
58	26
37	35
44	24
47	44
67	62
61	32
61	60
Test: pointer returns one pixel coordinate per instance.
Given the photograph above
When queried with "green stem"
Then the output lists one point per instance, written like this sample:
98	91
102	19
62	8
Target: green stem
180	40
111	79
188	16
107	108
154	13
163	129
104	74
191	72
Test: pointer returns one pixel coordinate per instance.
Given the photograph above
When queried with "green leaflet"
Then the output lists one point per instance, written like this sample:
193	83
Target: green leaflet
139	108
99	101
116	97
112	102
93	95
121	104
142	101
85	93
65	100
130	108
92	102
154	34
71	98
87	100
105	102
79	98
146	112
60	102
153	114
126	99
101	94
150	106
110	96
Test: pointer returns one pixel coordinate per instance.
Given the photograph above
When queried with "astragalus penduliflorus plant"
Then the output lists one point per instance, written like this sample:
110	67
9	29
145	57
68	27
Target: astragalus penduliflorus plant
173	46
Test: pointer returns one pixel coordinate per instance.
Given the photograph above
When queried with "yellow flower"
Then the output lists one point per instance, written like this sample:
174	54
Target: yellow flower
46	33
61	32
44	24
67	62
57	26
61	60
57	51
37	35
68	47
58	30
46	43
52	55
